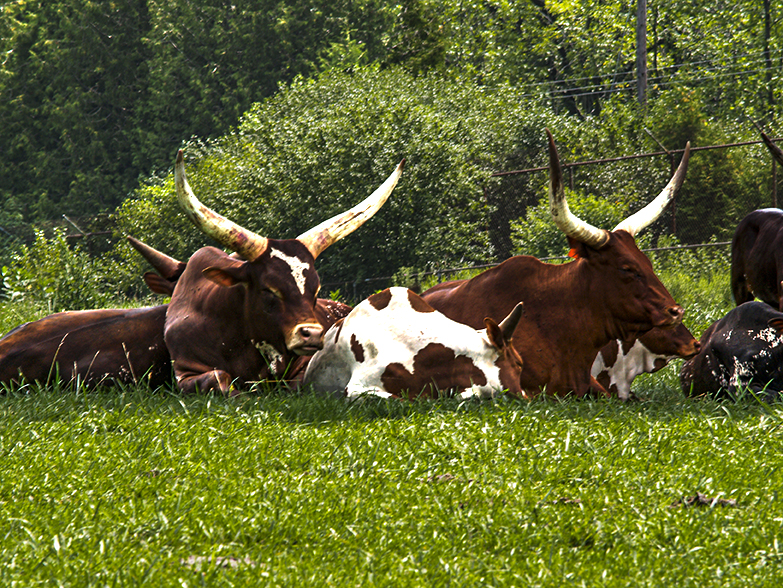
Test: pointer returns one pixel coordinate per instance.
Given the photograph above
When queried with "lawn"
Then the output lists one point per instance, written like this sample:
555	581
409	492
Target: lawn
147	487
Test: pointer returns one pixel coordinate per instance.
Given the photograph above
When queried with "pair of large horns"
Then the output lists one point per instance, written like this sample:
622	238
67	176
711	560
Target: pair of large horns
250	245
586	233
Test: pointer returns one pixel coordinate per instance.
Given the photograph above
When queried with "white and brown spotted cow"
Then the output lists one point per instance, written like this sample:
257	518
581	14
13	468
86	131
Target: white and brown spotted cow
396	345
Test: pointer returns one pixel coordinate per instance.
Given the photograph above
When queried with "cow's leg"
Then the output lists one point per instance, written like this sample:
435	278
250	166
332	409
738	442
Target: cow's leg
780	293
217	380
739	283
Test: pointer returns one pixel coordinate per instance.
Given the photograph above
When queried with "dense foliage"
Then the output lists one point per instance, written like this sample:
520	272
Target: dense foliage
98	94
290	113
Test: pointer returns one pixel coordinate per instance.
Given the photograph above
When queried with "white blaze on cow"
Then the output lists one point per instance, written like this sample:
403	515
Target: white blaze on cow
297	266
395	345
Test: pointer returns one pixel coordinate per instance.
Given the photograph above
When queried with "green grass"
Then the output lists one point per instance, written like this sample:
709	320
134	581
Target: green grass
132	487
140	487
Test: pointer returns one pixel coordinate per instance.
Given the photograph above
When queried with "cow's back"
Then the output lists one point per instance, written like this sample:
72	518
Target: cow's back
493	294
91	346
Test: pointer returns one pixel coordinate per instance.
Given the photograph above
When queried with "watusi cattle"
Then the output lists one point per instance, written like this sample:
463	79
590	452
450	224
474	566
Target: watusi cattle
757	252
395	345
742	350
88	347
234	320
572	310
621	360
327	312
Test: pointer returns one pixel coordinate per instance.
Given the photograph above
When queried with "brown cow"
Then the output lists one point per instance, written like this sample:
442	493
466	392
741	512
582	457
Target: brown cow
571	310
91	347
236	320
88	347
621	360
168	269
757	252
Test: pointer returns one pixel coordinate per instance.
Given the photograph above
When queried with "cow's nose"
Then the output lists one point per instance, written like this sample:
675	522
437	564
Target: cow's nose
310	334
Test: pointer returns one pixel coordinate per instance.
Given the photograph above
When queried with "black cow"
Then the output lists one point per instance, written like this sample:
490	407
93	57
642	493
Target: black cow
742	350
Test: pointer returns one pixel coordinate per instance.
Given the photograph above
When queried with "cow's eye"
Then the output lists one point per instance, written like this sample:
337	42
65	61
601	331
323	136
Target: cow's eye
273	293
631	272
270	297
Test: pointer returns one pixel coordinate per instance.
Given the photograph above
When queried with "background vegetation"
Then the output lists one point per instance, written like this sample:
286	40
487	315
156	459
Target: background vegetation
97	97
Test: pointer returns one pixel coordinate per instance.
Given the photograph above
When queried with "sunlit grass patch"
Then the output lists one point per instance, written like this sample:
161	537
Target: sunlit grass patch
142	486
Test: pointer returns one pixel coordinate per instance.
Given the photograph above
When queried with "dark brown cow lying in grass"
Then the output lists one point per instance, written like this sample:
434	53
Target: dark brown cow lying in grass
743	350
88	347
572	310
234	320
395	345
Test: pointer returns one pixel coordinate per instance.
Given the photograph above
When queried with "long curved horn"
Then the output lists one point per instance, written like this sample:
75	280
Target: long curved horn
639	220
319	238
246	243
565	220
777	153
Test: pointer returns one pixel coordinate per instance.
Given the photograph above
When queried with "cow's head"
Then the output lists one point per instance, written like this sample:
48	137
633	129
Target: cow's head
674	342
628	284
508	359
279	276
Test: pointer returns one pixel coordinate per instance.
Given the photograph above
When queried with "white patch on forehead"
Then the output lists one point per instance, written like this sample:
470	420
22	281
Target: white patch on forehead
272	356
297	266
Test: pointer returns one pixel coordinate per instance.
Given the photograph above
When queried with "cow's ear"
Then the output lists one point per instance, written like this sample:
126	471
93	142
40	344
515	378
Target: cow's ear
226	277
494	334
776	323
577	249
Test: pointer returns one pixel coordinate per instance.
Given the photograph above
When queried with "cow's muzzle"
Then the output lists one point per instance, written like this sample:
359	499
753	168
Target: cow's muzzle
306	339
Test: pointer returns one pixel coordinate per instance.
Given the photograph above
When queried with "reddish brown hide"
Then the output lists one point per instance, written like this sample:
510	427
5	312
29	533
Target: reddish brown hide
240	318
89	347
572	310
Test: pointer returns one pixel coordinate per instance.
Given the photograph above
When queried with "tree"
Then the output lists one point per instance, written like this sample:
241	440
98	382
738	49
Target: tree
71	76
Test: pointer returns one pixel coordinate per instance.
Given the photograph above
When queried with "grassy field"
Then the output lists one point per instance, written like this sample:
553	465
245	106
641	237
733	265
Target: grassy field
146	487
133	487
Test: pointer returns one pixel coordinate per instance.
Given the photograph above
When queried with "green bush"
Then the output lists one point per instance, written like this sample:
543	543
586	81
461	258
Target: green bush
55	276
319	147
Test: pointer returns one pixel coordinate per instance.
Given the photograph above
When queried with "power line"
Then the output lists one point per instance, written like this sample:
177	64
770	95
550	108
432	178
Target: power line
630	83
